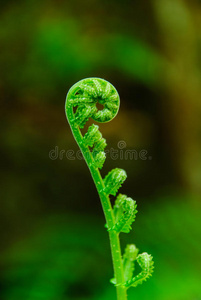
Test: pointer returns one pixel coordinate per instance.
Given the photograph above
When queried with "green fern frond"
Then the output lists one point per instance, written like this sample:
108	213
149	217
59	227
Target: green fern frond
88	90
99	159
93	135
83	114
146	263
107	91
129	257
125	212
81	104
80	101
113	181
100	145
104	115
98	87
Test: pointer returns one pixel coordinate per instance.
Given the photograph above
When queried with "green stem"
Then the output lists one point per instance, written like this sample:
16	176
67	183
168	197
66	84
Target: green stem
107	208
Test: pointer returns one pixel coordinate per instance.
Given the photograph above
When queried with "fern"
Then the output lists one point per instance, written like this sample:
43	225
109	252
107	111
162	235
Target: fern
146	263
129	258
113	181
124	212
84	96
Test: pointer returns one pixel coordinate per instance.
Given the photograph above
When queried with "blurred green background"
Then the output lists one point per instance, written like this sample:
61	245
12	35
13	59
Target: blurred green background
53	242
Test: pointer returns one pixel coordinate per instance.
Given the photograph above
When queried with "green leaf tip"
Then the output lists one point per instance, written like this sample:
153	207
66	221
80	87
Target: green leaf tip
129	257
93	137
99	159
125	212
145	261
113	181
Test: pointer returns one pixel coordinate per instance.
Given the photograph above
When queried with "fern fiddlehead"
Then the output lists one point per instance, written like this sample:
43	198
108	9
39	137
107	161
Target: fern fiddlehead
81	104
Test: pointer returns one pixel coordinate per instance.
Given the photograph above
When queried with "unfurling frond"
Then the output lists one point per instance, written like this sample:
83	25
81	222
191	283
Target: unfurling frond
146	263
86	94
99	159
113	181
129	257
93	135
100	145
83	113
98	99
124	212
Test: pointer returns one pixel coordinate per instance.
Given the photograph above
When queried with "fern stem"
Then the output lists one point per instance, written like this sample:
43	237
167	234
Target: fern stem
107	209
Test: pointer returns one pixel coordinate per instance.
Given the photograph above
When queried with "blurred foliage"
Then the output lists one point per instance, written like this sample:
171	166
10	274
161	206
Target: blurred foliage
150	51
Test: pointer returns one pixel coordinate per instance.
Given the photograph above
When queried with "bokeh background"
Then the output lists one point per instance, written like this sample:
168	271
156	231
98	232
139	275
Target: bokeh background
53	242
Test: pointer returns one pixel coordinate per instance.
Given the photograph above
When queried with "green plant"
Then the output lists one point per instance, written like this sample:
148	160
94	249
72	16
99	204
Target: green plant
81	104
